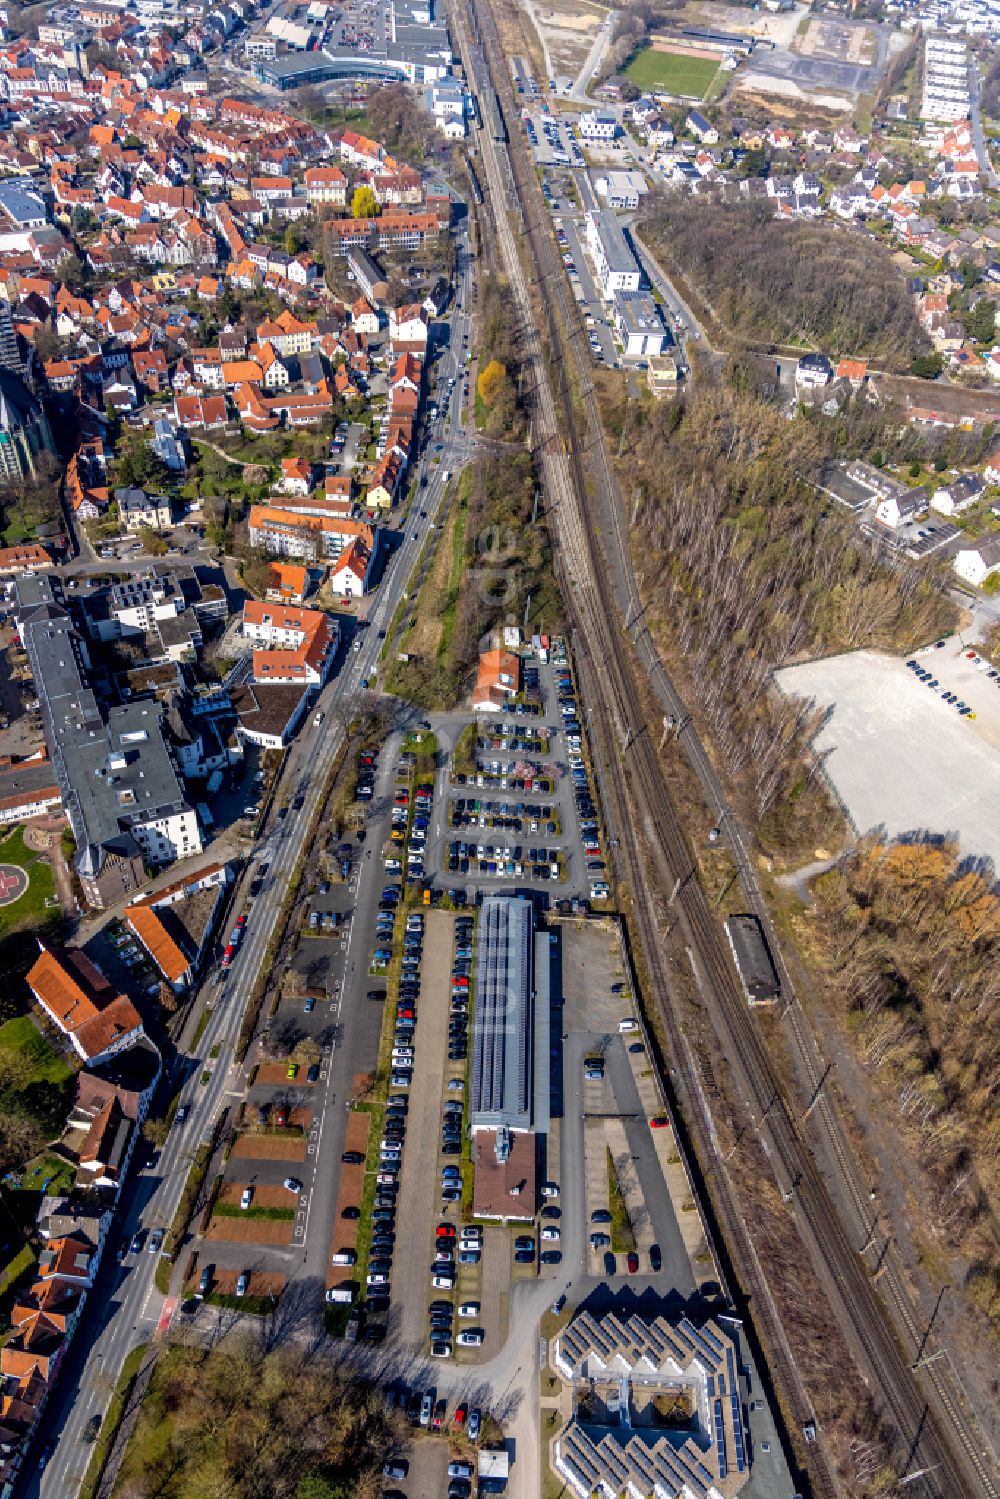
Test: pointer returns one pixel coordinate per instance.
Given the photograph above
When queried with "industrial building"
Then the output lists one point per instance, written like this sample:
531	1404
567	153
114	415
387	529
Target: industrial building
752	959
410	48
509	1099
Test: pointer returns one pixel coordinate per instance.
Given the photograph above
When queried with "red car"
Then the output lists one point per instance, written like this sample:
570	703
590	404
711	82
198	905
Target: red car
632	1261
660	1121
458	1419
438	1419
281	1116
446	1231
228	956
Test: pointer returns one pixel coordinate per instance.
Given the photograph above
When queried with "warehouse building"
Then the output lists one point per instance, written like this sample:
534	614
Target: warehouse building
509	1099
752	959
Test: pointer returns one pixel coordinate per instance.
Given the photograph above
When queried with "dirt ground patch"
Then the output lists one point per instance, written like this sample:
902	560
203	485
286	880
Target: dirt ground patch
276	1073
251	1231
835	41
261	1284
351	1191
270	1147
263	1196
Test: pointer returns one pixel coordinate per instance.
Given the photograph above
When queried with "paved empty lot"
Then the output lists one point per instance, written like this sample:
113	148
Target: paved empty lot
899	756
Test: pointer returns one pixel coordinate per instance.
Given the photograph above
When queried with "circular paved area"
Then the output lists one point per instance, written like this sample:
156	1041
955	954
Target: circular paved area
13	883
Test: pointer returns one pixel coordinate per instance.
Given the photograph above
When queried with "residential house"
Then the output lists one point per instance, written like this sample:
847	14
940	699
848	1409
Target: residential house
976	564
139	510
900	507
702	128
812	371
295	645
81	1003
497	679
175	923
958	494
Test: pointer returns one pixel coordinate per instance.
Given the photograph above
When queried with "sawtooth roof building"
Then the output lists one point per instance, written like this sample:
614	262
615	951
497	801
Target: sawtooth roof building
614	1445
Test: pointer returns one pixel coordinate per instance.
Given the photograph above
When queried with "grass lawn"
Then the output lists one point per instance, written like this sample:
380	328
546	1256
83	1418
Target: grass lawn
21	1040
154	1427
671	73
622	1238
30	909
112	1420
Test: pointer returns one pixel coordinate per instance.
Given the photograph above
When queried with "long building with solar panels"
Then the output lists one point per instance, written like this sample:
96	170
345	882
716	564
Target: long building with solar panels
624	1365
509	1095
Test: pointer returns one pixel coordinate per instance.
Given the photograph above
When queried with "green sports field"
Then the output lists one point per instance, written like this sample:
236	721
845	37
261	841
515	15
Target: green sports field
671	73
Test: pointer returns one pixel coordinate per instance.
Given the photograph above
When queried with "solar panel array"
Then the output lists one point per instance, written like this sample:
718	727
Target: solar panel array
734	1404
639	1461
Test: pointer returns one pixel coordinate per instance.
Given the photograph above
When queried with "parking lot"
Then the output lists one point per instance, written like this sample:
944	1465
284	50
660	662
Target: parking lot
526	820
623	1189
584	288
899	756
552	140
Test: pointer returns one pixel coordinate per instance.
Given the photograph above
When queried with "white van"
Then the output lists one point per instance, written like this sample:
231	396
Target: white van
340	1293
344	1257
627	1025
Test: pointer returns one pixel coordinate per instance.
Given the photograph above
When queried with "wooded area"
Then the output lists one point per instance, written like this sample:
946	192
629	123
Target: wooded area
504	577
502	413
909	938
777	282
250	1424
746	568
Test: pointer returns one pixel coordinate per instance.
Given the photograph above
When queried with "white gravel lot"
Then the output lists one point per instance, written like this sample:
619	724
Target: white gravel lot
900	757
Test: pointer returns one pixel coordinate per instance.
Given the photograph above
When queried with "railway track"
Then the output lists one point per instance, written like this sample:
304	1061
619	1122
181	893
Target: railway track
946	1452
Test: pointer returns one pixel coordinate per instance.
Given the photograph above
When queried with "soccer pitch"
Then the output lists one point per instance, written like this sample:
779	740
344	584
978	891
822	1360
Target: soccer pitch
672	73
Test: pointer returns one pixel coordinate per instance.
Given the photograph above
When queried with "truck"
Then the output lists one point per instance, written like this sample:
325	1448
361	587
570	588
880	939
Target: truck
207	820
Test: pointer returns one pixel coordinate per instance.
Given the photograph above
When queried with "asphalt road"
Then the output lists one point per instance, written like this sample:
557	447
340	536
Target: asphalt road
124	1307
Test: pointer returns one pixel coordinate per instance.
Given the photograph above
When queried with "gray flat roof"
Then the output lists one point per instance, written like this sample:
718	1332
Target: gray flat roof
638	312
112	774
503	1025
616	251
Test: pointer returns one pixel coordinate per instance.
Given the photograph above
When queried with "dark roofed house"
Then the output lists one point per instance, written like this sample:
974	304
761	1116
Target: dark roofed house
813	370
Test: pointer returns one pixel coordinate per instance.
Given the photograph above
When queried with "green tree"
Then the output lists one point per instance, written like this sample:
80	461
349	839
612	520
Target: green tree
927	366
72	273
363	203
153	542
980	322
319	1484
